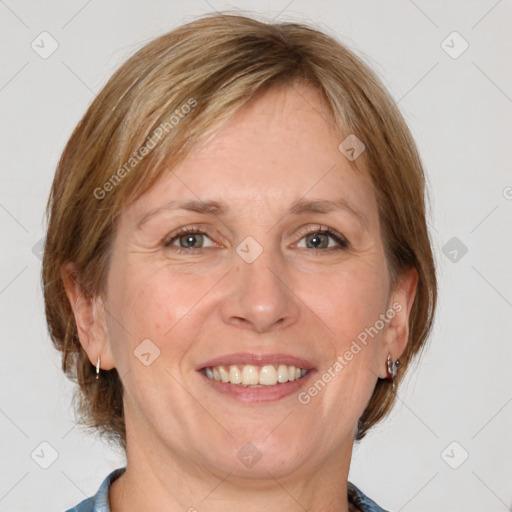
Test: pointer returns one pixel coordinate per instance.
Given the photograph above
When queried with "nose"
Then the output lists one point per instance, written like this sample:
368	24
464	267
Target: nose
259	298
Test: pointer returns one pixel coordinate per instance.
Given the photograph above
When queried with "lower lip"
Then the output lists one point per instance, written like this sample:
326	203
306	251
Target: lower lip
263	394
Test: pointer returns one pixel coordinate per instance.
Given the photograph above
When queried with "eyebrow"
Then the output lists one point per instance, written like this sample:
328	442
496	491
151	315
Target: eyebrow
298	207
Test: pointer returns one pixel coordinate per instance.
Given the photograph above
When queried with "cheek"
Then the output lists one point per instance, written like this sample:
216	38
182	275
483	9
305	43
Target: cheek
349	305
149	333
350	301
153	303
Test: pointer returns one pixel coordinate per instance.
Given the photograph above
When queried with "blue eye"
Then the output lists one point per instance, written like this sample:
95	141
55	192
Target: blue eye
321	239
192	238
188	238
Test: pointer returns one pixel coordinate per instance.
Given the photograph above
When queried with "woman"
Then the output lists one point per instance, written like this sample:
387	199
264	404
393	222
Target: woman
237	268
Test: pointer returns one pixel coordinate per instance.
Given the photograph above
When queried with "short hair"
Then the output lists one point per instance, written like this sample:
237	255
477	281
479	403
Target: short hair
186	83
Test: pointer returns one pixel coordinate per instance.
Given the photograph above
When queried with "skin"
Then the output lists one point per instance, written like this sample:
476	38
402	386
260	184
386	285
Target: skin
183	436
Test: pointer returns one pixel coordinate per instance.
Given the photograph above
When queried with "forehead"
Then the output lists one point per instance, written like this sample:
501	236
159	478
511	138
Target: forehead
277	148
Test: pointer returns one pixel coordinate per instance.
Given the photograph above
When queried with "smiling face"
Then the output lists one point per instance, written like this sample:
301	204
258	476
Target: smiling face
282	264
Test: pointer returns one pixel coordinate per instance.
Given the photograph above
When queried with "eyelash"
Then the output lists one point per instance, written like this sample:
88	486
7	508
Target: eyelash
319	230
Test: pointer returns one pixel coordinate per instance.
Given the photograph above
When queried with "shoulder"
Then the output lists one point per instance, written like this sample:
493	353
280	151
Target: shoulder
99	502
84	506
361	501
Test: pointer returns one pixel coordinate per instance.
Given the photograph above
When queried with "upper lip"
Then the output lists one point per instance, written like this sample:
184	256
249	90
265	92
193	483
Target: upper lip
256	359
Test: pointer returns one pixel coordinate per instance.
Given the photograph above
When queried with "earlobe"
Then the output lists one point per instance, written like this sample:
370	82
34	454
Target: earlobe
397	332
89	318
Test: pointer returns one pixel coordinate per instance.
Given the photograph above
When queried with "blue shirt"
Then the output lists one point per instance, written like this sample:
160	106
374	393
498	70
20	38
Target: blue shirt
99	502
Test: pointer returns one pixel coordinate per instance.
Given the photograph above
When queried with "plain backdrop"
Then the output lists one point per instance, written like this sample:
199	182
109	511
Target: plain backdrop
447	444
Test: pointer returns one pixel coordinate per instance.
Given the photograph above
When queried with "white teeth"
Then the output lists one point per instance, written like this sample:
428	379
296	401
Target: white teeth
224	375
268	376
235	377
252	375
282	373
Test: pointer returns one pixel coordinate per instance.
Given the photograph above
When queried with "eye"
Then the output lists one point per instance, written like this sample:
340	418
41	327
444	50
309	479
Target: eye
322	238
187	238
192	238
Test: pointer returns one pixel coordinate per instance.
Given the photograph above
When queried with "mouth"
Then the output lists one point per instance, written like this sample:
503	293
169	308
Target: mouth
256	378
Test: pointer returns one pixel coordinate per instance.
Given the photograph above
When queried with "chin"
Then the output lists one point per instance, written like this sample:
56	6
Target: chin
275	454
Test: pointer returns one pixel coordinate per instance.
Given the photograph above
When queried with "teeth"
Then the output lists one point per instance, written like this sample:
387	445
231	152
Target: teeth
235	376
282	373
268	376
224	375
256	376
249	375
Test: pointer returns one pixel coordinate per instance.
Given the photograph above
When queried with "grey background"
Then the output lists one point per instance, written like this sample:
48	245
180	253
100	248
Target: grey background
459	110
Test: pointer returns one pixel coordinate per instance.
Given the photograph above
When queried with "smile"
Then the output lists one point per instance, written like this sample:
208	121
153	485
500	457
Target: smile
250	375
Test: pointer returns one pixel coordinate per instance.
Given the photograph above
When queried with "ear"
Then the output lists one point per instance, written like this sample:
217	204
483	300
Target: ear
90	319
396	335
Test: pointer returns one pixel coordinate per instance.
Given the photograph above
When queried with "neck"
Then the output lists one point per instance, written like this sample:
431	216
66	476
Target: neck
158	480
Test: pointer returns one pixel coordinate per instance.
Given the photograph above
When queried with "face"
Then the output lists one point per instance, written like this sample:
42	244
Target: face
285	267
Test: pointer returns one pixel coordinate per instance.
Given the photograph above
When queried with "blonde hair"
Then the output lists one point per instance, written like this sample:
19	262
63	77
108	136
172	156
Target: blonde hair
215	64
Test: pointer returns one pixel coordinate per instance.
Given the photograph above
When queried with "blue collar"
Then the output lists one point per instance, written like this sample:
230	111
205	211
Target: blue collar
99	502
